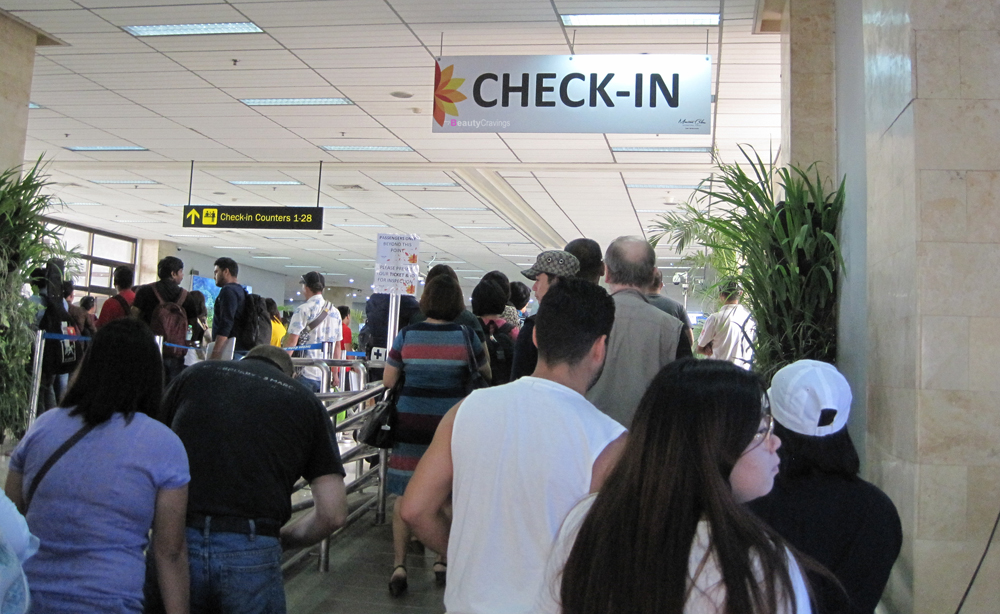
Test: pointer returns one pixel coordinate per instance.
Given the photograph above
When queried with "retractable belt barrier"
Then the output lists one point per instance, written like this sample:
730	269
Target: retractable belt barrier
36	367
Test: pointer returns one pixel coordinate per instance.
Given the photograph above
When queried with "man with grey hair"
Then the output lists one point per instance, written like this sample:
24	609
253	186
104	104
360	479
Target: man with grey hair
644	339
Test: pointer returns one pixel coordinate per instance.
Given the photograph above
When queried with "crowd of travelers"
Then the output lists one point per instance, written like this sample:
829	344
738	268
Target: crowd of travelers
578	460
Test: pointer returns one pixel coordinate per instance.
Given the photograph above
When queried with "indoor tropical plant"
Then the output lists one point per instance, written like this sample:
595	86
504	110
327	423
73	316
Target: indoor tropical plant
25	243
784	253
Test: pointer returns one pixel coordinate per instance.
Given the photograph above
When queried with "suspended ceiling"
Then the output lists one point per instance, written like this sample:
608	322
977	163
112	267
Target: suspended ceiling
178	97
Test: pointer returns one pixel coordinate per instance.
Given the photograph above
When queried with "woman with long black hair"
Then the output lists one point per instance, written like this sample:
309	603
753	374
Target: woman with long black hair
94	476
668	533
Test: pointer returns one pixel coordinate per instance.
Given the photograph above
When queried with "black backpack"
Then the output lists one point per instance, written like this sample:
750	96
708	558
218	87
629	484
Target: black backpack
252	326
58	356
500	345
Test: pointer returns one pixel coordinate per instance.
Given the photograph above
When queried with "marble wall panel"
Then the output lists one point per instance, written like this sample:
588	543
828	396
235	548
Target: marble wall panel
980	56
957	134
954	278
939	72
983	188
954	14
889	59
892	420
942	502
940	575
958	427
984	355
17	58
942	198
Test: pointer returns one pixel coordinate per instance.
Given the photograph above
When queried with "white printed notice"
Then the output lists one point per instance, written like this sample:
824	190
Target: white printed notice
397	266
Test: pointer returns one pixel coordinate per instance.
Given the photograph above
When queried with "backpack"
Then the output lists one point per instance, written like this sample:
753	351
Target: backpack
252	326
500	345
169	320
58	357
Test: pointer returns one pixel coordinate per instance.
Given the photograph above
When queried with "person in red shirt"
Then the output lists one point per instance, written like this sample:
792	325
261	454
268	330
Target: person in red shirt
113	308
346	344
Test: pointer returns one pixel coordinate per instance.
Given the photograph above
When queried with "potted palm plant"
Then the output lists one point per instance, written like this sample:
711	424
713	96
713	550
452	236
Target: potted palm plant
784	252
24	244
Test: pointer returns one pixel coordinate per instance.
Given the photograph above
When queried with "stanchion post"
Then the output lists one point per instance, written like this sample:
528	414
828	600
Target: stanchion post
383	462
36	377
324	555
159	343
394	302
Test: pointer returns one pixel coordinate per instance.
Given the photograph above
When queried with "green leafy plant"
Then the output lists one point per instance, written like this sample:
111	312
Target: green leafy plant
784	253
25	243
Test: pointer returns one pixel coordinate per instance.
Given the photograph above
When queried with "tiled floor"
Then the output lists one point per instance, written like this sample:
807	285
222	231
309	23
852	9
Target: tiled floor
357	583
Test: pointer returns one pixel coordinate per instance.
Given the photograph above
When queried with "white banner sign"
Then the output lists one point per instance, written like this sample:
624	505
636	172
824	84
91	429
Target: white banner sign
397	269
636	94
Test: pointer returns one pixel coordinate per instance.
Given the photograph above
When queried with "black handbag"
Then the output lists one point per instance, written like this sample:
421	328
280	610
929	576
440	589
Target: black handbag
476	379
380	428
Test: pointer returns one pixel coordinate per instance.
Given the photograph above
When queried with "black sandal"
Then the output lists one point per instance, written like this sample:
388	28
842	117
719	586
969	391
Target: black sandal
397	584
440	575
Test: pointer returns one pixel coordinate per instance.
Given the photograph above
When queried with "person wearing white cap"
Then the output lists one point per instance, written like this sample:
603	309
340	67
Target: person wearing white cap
819	504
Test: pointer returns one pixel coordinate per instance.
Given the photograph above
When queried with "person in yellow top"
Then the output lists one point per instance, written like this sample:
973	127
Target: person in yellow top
277	328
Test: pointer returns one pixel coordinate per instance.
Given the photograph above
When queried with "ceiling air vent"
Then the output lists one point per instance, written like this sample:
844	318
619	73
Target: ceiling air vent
439	236
348	188
401	216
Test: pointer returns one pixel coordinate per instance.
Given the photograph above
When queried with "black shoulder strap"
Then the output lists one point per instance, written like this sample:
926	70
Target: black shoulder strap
118	298
63	449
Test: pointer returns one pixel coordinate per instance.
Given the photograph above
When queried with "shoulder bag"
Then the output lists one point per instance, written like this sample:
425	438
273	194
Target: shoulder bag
60	451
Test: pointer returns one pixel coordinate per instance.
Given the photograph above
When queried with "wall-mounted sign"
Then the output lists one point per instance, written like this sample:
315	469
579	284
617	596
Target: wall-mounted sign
397	267
637	94
271	218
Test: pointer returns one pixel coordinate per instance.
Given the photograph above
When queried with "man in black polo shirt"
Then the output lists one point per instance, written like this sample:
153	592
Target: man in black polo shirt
250	432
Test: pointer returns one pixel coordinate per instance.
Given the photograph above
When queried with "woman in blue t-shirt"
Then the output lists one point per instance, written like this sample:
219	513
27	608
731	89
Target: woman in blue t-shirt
126	473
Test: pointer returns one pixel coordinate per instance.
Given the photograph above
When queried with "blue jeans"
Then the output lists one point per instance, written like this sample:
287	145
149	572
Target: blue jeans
232	573
312	384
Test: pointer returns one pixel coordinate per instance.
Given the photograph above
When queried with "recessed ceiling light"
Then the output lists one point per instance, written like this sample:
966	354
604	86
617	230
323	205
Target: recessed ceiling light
661	19
32	105
233	247
271	257
704	150
294	102
661	186
82	204
193	28
361	225
106	148
401	94
282	182
482	227
123	182
366	148
419	184
455	208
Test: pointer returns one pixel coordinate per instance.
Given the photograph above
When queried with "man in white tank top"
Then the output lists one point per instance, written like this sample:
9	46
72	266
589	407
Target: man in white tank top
514	459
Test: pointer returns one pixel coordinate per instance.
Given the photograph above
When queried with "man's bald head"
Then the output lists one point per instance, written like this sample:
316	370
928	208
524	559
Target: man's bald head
630	261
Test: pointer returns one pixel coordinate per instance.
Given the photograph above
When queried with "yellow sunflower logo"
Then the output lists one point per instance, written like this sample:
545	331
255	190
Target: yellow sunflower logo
446	93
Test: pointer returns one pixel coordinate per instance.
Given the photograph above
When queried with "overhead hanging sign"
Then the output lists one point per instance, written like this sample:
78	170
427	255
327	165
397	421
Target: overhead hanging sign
636	94
269	218
397	267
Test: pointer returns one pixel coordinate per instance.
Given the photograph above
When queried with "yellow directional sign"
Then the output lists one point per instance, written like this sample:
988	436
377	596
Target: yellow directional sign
272	218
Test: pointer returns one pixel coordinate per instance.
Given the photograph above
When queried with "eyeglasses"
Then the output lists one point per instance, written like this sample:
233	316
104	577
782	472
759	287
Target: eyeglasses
763	434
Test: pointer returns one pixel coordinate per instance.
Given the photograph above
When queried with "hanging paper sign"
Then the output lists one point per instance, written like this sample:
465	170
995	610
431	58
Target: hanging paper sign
397	267
635	94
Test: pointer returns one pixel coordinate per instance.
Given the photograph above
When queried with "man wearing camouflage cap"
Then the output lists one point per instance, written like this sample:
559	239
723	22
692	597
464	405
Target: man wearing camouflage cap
549	267
643	340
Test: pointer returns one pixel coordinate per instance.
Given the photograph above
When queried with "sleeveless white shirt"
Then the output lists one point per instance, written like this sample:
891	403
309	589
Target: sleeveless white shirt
523	455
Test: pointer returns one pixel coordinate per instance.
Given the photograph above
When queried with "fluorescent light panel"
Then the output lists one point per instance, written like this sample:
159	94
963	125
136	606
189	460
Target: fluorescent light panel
482	227
123	182
704	150
294	102
660	19
660	186
32	105
419	184
194	28
356	259
455	208
266	182
366	147
106	148
271	257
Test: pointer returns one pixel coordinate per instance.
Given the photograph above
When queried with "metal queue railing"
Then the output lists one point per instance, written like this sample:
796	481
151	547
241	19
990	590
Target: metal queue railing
357	405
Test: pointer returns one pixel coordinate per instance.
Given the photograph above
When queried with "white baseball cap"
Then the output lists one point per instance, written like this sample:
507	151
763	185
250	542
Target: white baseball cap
802	390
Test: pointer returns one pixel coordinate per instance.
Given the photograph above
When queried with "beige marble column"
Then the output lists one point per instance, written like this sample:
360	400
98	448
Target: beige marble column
17	61
807	82
933	157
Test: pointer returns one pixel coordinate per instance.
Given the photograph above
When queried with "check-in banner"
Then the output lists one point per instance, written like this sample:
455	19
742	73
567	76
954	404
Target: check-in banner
635	94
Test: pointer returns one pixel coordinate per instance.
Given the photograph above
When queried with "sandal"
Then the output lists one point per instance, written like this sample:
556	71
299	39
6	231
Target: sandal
397	583
440	572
